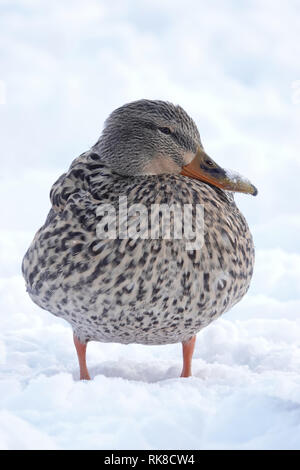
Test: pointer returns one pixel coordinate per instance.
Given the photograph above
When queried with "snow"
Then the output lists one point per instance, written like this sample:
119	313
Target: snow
236	177
244	394
245	391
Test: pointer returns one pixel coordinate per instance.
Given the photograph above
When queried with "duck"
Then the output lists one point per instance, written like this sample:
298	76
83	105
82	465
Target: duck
143	242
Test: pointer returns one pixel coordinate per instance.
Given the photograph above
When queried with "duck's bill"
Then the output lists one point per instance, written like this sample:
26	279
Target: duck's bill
203	168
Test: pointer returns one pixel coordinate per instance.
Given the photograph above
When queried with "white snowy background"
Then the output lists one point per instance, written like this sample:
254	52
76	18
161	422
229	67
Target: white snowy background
234	66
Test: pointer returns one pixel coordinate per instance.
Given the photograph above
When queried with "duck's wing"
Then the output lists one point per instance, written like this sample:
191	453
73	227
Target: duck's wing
81	177
78	178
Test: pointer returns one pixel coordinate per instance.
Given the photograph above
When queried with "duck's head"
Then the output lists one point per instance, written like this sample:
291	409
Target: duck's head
148	137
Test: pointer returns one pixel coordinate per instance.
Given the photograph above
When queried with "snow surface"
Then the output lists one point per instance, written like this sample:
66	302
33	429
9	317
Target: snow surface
245	392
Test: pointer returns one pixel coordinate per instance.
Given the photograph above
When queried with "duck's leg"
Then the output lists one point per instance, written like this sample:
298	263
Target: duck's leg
81	353
187	351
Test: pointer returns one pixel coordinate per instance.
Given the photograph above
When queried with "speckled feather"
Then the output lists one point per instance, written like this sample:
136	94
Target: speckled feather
136	291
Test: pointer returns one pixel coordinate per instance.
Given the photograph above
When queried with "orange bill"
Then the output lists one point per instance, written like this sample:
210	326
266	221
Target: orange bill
203	168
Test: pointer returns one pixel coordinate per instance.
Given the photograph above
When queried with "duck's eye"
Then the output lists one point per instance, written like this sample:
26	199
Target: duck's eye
165	130
209	162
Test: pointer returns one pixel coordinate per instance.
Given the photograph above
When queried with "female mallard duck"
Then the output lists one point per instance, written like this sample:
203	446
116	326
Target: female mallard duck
145	288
